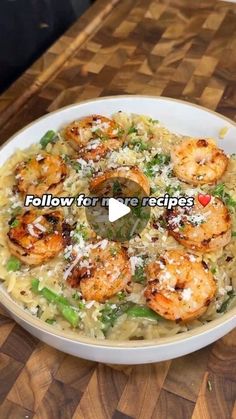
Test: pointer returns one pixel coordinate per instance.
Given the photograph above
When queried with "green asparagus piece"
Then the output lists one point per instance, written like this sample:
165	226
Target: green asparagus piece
226	303
62	303
47	138
142	311
110	314
69	314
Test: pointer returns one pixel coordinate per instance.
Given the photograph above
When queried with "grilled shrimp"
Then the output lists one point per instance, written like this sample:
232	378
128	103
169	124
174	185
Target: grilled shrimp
35	237
41	174
93	136
179	287
204	229
199	162
122	173
106	272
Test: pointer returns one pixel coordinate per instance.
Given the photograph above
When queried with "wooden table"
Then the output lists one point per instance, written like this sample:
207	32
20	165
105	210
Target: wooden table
178	48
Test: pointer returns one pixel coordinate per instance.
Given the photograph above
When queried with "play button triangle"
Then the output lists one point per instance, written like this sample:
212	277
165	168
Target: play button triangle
116	210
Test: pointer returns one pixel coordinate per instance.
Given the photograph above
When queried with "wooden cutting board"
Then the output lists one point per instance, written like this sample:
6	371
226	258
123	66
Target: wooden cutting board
179	48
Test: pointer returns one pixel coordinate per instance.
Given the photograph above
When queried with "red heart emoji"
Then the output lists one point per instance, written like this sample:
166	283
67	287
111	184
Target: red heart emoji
204	199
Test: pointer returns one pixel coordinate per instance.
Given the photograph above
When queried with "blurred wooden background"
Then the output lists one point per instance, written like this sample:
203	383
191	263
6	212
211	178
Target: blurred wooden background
28	28
178	48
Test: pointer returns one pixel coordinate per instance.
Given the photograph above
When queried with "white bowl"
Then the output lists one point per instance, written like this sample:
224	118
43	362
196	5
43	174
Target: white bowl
180	117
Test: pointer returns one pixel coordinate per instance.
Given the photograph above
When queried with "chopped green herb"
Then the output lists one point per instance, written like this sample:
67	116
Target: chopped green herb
139	145
90	172
111	312
76	296
213	270
233	233
104	137
80	231
113	251
121	132
15	223
116	187
162	222
73	163
49	137
76	166
13	264
219	191
140	212
101	134
154	189
121	295
132	130
153	121
229	201
139	275
158	160
81	305
50	321
172	189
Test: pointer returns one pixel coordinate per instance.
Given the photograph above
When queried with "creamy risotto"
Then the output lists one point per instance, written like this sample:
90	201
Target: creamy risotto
177	274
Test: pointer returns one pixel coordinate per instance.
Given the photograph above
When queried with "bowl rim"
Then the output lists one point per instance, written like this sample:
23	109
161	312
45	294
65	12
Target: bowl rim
14	308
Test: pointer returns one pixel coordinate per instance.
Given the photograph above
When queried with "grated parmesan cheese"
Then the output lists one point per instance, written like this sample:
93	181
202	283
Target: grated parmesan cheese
186	294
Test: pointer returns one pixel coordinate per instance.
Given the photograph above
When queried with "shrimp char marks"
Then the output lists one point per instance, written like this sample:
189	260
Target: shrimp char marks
180	287
199	161
202	229
93	136
43	173
100	271
124	174
35	237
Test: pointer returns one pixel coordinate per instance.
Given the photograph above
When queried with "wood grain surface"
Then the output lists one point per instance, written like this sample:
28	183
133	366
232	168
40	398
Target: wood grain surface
178	48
